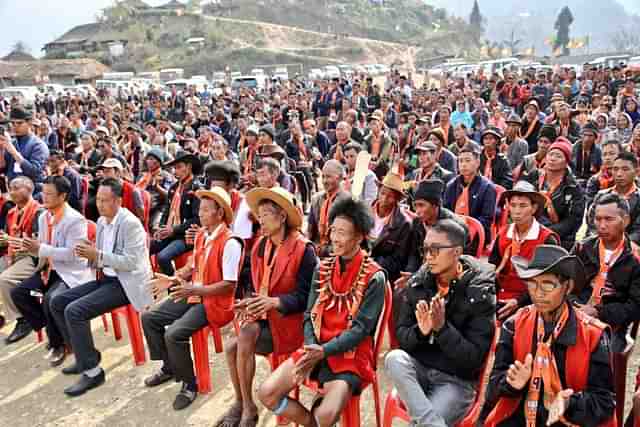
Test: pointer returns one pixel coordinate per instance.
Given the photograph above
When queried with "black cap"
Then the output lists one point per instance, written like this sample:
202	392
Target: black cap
222	170
590	127
269	130
549	132
430	190
19	113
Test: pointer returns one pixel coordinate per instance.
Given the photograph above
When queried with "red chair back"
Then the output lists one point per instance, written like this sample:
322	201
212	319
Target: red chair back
91	231
146	203
84	188
383	322
476	230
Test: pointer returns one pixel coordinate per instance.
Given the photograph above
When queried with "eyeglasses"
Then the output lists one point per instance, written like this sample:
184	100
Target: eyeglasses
434	250
545	287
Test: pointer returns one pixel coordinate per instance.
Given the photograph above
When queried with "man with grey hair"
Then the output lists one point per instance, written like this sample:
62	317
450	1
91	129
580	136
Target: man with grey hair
22	221
318	223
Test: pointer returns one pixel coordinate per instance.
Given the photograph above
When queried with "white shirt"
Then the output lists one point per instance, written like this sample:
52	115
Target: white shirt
230	256
242	225
109	240
378	225
532	234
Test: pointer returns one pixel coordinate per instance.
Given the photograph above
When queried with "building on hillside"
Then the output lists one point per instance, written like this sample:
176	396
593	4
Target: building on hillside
173	5
83	40
17	55
59	71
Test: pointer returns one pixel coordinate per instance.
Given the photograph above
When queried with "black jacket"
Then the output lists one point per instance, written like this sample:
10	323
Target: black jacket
500	170
460	347
568	201
623	307
633	229
189	206
389	250
587	408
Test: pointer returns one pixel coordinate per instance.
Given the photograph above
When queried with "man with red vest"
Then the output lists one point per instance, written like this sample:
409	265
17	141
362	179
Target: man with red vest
207	300
345	302
444	328
282	266
612	267
22	221
552	362
131	197
519	238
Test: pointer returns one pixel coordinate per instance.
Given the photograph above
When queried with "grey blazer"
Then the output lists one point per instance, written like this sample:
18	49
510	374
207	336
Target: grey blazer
129	257
71	230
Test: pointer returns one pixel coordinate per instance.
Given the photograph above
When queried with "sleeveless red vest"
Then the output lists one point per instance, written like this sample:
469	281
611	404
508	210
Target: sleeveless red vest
286	330
128	200
219	308
511	286
24	229
335	321
588	335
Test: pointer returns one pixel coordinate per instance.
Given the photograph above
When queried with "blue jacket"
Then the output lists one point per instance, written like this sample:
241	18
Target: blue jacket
35	154
482	204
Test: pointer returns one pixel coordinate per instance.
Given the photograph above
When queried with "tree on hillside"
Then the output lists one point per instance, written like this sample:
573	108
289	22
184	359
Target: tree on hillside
476	20
20	47
563	22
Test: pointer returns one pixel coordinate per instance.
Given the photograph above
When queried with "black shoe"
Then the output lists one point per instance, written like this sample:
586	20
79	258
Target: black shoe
22	329
184	398
84	384
3	321
57	356
158	378
71	370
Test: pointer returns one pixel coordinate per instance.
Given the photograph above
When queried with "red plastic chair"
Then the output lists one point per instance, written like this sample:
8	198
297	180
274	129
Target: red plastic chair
394	407
135	331
351	413
84	189
476	230
146	202
200	346
179	262
500	220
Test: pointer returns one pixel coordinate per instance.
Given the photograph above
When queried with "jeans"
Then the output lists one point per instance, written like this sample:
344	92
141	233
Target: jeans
166	251
38	314
171	345
74	309
433	398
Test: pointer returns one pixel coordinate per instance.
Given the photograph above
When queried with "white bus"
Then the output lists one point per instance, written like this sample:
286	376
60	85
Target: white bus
118	76
169	74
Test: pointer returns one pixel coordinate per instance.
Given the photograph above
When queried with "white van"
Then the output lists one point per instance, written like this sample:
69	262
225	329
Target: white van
26	95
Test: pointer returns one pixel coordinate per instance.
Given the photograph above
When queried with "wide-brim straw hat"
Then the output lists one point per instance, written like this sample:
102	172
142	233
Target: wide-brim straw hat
221	197
280	197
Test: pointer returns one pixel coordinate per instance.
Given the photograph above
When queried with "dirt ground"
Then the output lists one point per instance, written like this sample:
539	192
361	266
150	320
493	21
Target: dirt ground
31	392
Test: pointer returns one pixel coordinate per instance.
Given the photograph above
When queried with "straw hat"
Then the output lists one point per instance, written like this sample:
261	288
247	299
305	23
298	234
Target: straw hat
280	197
221	197
394	182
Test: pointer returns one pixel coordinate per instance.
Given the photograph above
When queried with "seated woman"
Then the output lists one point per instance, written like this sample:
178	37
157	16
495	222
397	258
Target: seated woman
552	362
345	302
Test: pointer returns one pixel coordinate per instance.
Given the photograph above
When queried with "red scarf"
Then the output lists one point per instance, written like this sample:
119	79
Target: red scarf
462	204
53	218
147	178
553	186
174	210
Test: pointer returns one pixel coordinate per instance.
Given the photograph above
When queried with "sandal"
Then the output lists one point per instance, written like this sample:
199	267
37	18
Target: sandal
252	422
231	418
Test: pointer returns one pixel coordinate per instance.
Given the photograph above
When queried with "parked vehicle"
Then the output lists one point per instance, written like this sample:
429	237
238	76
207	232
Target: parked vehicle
26	95
331	72
316	74
281	73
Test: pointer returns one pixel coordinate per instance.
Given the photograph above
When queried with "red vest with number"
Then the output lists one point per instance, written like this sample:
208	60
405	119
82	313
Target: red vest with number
576	365
334	323
219	308
511	286
286	330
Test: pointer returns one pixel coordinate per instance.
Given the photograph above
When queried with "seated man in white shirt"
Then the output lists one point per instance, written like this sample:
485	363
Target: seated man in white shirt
201	294
121	259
